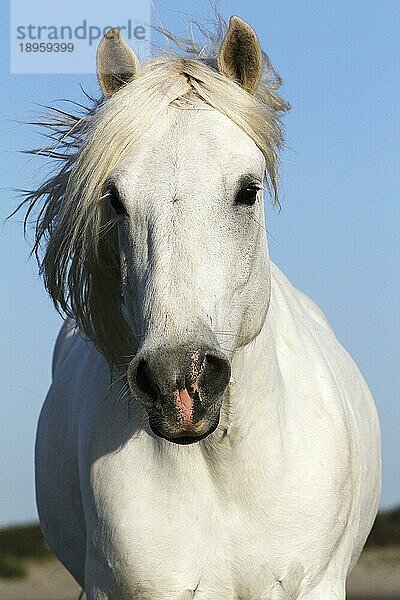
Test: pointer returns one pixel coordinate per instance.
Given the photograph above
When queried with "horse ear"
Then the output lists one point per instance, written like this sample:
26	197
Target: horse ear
117	64
240	56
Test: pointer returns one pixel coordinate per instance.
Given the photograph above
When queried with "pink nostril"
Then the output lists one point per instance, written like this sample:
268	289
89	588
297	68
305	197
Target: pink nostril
184	405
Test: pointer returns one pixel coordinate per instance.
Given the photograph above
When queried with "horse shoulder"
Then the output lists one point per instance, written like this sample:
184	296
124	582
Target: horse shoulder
327	392
57	449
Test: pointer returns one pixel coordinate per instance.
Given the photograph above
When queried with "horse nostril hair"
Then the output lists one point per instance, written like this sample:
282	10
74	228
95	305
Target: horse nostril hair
145	381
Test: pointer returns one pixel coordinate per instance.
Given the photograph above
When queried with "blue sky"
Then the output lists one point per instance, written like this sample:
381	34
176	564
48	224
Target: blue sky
337	237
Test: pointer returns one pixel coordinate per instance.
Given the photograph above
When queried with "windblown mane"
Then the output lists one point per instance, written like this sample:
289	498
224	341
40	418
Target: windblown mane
76	236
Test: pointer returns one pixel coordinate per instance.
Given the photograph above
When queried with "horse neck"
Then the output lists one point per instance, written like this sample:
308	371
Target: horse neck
256	389
252	421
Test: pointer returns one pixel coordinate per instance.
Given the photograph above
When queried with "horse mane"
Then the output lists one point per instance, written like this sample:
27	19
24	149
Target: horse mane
76	241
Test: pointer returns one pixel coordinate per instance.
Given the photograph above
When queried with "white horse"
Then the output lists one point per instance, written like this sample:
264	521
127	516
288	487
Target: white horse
205	435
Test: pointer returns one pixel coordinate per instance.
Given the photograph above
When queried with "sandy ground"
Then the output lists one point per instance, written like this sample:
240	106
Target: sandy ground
376	577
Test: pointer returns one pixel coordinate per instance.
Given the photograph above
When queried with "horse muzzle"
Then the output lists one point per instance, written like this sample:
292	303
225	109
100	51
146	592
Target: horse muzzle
182	390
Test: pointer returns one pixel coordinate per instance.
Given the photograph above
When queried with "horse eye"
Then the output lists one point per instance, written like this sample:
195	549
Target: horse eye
115	200
247	195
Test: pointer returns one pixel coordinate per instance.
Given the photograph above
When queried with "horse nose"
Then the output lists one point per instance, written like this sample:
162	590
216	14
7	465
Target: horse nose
181	388
157	374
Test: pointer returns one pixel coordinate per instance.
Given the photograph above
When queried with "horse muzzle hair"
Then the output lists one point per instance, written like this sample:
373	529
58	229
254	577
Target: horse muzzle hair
181	388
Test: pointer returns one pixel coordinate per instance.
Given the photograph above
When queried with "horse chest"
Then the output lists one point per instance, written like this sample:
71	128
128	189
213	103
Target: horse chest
206	561
175	539
183	524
